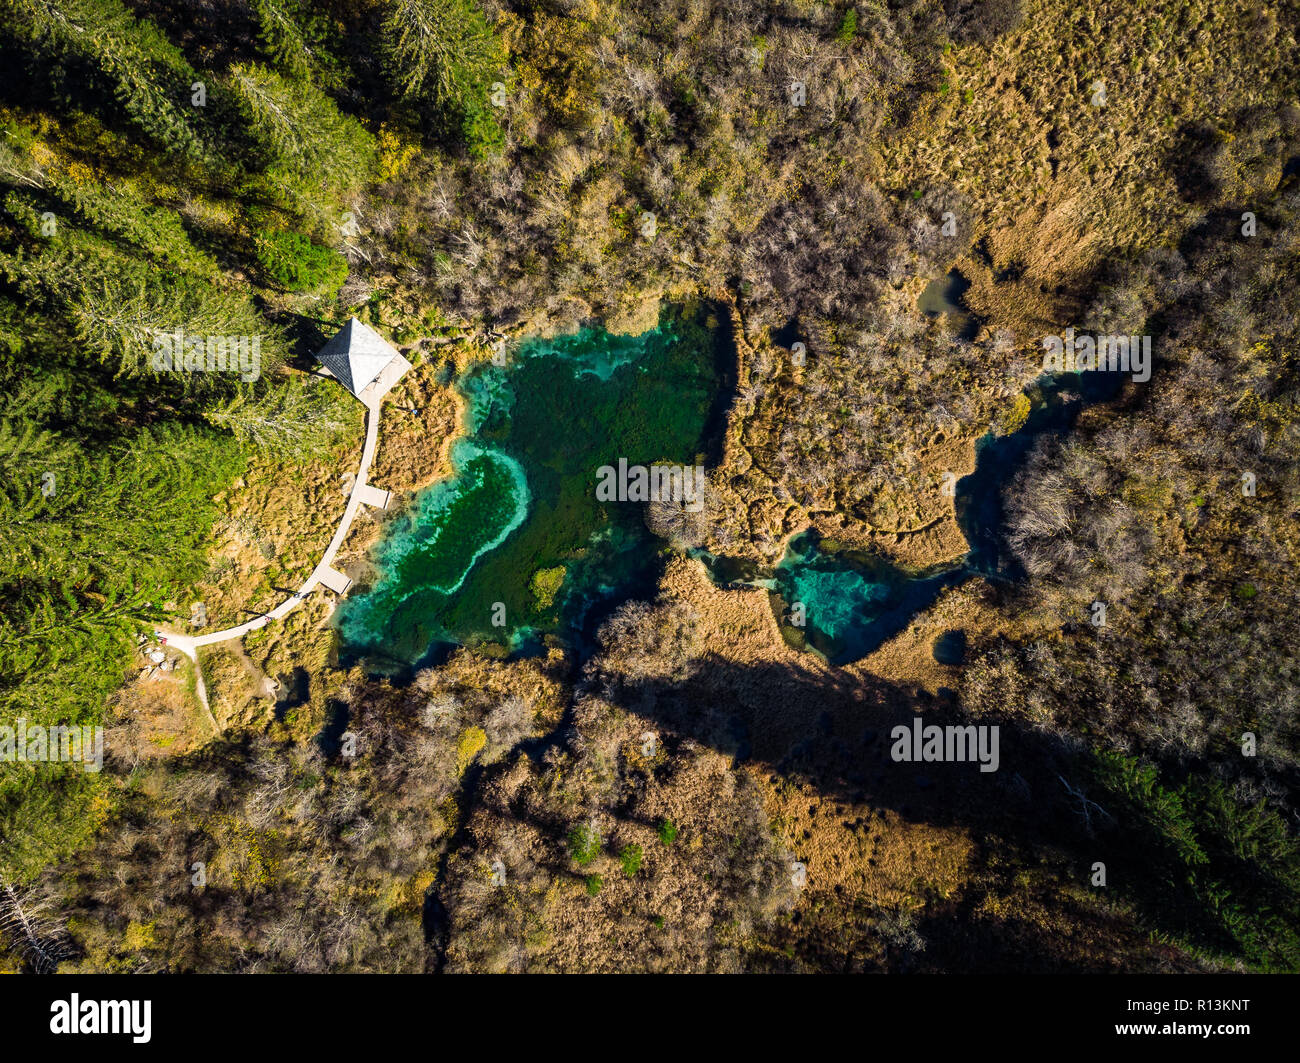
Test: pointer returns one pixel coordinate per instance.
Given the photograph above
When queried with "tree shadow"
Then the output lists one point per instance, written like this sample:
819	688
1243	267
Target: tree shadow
832	731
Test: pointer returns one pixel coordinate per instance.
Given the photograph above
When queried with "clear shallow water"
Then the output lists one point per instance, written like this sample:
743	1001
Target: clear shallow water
427	554
1056	402
855	602
515	546
942	297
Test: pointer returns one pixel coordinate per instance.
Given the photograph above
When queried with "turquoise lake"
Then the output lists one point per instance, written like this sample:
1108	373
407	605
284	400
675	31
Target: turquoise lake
515	547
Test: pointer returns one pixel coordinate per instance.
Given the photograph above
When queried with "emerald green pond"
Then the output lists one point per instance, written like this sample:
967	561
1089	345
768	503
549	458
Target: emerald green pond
515	545
846	604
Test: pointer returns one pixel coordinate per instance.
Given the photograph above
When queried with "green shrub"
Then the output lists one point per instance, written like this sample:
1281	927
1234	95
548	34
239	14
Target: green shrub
481	130
848	27
292	262
545	584
594	884
631	857
668	832
584	844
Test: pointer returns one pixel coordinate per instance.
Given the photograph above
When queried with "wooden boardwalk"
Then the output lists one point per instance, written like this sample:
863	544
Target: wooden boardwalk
362	494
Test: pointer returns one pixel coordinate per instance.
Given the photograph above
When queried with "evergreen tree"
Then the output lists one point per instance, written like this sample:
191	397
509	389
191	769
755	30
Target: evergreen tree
443	54
148	75
296	418
307	141
295	42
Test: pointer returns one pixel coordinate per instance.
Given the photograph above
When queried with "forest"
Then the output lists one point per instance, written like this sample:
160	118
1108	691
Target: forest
252	173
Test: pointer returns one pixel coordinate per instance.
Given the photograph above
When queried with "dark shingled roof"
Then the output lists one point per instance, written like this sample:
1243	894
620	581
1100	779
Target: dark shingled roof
356	355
